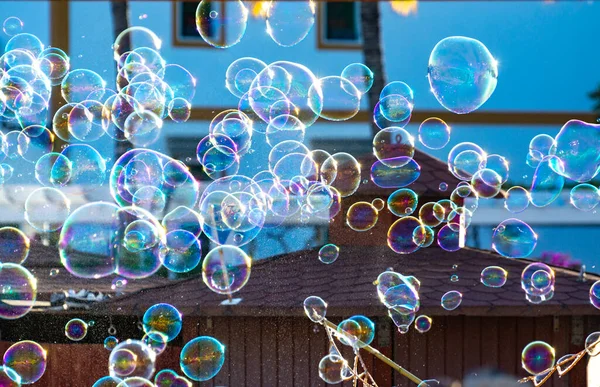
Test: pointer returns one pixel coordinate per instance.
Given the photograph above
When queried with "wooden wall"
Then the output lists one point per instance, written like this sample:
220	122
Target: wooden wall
286	351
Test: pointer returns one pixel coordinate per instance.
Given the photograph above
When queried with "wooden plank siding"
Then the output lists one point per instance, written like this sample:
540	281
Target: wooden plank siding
285	351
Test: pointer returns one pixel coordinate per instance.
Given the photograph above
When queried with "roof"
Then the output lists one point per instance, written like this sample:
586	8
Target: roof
279	285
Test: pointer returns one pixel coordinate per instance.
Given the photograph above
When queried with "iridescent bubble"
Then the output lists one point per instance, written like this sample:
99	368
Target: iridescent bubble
366	331
432	214
537	357
108	381
434	133
423	236
362	216
402	320
76	329
110	342
359	75
224	29
486	183
135	381
88	168
386	177
163	318
592	346
226	269
402	202
181	251
451	300
448	239
288	23
79	84
202	358
334	98
393	147
333	369
315	308
25	42
14	245
539	147
18	291
348	332
46	209
423	324
498	164
132	358
140	235
241	73
34	142
156	341
547	184
400	235
464	159
493	276
284	128
595	294
517	199
12	25
329	253
346	170
402	297
179	109
537	280
514	238
27	359
575	147
462	74
584	197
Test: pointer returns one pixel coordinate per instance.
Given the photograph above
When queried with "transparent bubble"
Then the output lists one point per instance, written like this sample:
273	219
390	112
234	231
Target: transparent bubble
14	245
537	357
432	214
25	42
513	238
288	23
402	202
76	329
546	185
386	177
462	74
35	141
398	88
334	98
361	216
202	358
393	147
179	109
88	168
402	297
79	84
181	252
150	198
592	346
163	318
359	75
241	73
402	320
423	236
225	28
584	197
574	147
110	342
135	381
226	269
140	235
517	199
448	239
46	209
329	253
132	358
486	183
12	25
18	285
494	276
451	300
315	308
348	332
179	80
347	172
465	159
595	295
285	128
400	235
333	369
498	164
539	147
537	280
423	324
434	133
366	331
27	359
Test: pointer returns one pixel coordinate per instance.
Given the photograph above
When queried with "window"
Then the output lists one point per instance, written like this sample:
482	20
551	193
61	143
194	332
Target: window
184	24
339	25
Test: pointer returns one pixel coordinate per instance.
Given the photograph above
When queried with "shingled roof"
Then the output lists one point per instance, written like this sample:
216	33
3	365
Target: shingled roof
279	285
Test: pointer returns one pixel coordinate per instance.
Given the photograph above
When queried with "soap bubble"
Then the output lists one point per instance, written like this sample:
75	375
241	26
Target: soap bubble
132	358
537	356
334	98
18	285
163	318
400	235
46	209
402	320
393	147
517	199
12	25
202	358
513	238
225	29
315	308
333	369
241	73
494	276
107	381
537	280
584	197
448	239
329	253
486	183
226	269
466	158
547	184
76	329
592	347
402	202
361	216
434	133
110	342
14	245
27	359
359	75
462	74
575	147
451	300
423	324
595	295
288	23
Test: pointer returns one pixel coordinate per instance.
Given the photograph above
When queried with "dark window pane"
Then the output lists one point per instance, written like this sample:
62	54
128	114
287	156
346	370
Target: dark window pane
188	20
341	21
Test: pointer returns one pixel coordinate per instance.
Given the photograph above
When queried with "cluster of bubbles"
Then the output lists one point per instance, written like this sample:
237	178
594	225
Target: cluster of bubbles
537	280
400	294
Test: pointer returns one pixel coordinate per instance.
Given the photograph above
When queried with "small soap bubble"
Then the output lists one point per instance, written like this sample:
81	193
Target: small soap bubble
451	300
329	253
537	357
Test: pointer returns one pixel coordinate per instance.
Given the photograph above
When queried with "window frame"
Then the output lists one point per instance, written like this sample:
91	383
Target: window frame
325	44
177	20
